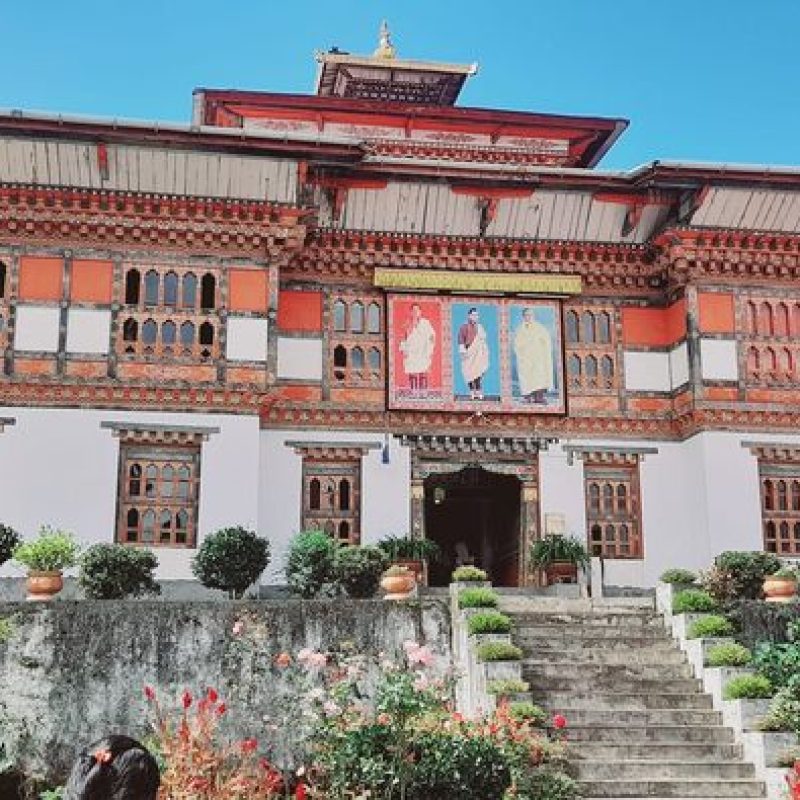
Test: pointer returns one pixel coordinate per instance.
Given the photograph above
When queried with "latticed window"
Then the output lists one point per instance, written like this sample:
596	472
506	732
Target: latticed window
591	350
770	344
332	498
158	495
357	340
613	506
780	507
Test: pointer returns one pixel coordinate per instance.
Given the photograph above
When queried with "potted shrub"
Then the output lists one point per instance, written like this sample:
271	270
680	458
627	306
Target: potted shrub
46	557
359	569
231	559
398	582
114	571
311	564
780	586
560	557
410	552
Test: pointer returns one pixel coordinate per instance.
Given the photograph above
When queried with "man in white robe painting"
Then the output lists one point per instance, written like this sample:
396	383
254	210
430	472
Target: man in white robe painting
417	348
533	350
473	348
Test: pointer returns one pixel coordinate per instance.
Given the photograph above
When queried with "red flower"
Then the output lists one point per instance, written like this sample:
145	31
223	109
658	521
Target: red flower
186	698
559	721
248	745
300	792
149	693
102	756
283	660
221	709
212	695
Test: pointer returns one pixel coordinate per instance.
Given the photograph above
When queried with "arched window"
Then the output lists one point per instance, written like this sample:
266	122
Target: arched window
356	317
168	332
796	320
167	479
611	533
784	529
330	528
770	537
594	497
344	495
181	526
590	364
165	524
753	361
374	318
189	291
596	535
770	361
2	279
171	289
314	495
339	362
344	530
607	367
604	327
130	330
769	495
608	498
572	327
135	480
206	334
587	327
339	316
148	526
187	333
374	359
133	283
783	501
782	320
208	292
787	362
150	480
574	366
132	525
357	358
149	332
766	324
795	495
622	498
752	317
183	482
151	282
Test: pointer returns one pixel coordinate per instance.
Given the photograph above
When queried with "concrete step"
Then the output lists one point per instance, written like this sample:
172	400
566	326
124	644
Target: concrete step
656	751
608	684
672	789
642	718
604	619
589	632
608	672
664	770
622	701
578	654
556	642
614	733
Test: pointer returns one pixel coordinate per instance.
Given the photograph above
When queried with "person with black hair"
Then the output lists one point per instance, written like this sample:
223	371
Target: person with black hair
113	768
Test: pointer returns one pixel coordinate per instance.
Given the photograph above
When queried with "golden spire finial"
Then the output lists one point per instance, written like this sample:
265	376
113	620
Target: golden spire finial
385	46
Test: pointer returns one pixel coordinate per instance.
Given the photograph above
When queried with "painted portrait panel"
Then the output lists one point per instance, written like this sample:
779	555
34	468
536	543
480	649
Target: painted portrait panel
534	344
416	350
475	352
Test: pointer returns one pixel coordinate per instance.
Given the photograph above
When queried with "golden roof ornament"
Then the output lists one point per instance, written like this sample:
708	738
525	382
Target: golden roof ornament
385	47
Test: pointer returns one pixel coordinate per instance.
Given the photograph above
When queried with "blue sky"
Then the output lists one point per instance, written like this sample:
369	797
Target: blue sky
708	80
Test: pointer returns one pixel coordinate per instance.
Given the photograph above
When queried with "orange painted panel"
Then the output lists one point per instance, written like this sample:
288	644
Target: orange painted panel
40	278
721	393
781	396
717	313
247	376
35	366
248	290
303	393
91	281
657	327
300	311
87	369
649	404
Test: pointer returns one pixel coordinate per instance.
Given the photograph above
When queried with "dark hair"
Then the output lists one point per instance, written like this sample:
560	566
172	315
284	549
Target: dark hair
472	309
113	768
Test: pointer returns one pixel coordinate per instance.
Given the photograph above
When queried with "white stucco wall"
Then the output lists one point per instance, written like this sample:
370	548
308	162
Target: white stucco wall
385	489
59	467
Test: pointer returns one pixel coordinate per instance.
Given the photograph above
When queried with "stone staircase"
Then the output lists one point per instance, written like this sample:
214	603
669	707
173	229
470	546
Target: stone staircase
639	723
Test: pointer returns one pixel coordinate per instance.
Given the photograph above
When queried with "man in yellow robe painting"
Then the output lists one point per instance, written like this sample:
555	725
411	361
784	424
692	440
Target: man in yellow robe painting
417	347
533	350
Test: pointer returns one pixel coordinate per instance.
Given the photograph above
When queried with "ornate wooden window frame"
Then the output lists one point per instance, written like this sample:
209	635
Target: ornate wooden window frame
340	465
170	445
347	341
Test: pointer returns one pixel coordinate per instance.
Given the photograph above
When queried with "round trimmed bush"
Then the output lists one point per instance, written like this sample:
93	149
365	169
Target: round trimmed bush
488	622
359	569
115	571
730	654
311	564
468	574
478	597
692	601
710	627
9	539
231	559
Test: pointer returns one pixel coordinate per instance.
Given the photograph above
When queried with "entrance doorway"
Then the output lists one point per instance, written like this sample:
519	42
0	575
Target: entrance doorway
474	517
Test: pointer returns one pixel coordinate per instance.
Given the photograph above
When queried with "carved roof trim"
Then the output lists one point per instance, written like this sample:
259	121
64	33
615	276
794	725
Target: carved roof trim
144	433
774	451
501	445
607	454
332	451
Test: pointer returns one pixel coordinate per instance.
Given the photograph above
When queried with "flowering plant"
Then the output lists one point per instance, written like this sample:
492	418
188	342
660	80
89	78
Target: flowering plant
793	781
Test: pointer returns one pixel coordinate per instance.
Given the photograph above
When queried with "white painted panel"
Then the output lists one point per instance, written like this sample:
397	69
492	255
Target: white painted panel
300	358
59	467
647	372
88	330
679	365
37	329
561	490
719	360
247	339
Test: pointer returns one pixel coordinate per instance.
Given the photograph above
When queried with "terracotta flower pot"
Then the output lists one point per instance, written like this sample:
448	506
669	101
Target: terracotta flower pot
561	572
398	587
43	585
779	590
